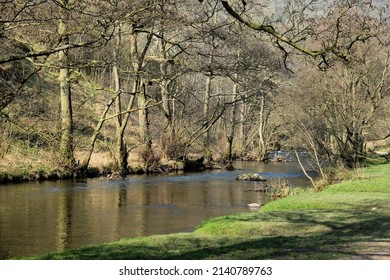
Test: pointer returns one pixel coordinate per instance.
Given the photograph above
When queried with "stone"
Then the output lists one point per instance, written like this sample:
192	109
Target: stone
194	165
253	205
250	177
230	167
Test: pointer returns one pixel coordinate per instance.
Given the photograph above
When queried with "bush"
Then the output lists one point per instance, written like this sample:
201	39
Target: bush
282	188
151	161
173	149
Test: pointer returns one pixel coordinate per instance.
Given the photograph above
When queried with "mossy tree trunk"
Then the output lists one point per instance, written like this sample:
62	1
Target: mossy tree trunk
66	145
121	148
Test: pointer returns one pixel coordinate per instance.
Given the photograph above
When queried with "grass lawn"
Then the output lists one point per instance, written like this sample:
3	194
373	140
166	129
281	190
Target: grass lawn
348	220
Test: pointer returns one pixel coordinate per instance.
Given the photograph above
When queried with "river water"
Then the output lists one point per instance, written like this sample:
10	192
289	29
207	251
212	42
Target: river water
50	216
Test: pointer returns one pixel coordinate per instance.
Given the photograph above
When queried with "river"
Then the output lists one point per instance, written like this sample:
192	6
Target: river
41	217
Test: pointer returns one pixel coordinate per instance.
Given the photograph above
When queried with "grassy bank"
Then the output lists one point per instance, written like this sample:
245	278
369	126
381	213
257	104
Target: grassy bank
348	220
23	165
20	167
27	174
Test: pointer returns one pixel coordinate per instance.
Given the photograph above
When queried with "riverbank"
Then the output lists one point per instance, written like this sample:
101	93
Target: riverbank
48	168
40	165
348	220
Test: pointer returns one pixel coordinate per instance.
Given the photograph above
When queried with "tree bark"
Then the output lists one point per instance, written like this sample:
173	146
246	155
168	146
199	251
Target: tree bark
96	132
232	132
66	146
143	117
262	142
121	149
206	102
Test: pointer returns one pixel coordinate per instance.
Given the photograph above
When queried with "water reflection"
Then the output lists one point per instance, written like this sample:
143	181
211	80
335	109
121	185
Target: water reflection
64	221
49	216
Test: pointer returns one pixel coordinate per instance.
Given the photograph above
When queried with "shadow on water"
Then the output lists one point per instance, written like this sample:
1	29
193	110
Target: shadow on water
53	216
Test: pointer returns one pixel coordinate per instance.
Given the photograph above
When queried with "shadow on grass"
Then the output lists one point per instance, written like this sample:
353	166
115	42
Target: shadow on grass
347	232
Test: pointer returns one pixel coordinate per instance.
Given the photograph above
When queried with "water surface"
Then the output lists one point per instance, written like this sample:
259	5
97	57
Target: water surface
48	216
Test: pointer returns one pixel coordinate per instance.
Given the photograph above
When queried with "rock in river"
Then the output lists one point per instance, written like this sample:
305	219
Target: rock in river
250	177
254	205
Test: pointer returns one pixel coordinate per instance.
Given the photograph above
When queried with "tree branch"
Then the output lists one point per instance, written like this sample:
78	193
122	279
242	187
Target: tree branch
270	30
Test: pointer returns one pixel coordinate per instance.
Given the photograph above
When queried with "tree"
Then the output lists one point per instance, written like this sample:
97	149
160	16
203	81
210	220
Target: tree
314	28
48	29
66	145
169	82
329	31
347	98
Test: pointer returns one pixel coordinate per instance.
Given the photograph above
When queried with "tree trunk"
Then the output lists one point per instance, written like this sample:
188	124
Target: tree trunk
148	157
262	142
242	137
143	117
206	139
66	146
96	132
230	136
168	105
165	94
121	149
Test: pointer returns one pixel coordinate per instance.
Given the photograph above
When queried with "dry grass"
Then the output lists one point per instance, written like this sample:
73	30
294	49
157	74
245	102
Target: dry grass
19	160
281	188
98	159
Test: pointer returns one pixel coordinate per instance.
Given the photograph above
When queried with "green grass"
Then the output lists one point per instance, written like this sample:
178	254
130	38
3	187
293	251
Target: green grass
349	220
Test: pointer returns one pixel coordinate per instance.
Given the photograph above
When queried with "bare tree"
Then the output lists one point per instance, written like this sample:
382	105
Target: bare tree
347	98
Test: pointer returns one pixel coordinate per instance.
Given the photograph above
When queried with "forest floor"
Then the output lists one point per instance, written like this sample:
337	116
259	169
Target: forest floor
347	220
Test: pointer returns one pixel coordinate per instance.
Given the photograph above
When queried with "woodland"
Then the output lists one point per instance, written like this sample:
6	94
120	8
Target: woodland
123	86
